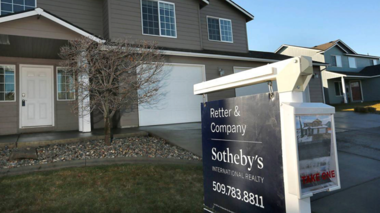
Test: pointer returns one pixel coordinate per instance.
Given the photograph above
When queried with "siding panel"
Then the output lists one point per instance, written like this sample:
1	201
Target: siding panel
221	9
86	14
125	22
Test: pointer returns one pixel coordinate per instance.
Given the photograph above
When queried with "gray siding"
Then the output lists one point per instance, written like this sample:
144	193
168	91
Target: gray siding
86	14
361	63
9	116
315	87
371	89
221	9
106	30
333	98
125	22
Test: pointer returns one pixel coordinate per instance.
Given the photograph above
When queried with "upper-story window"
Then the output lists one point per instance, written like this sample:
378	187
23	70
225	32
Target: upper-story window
374	61
352	62
219	29
158	18
336	61
14	6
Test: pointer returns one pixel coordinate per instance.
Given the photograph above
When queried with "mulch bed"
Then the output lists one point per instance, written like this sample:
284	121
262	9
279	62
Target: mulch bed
151	147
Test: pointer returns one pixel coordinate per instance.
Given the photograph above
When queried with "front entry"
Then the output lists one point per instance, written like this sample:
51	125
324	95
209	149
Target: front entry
356	91
36	96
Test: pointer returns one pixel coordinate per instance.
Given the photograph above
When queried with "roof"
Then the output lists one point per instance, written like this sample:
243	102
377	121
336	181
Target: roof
253	55
249	16
51	17
370	71
325	46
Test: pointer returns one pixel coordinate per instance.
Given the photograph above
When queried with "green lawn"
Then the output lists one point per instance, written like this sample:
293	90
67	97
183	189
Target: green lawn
124	188
350	107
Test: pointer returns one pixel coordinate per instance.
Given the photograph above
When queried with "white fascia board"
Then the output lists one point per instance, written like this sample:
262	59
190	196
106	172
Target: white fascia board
357	76
364	56
226	57
331	75
239	8
41	12
293	46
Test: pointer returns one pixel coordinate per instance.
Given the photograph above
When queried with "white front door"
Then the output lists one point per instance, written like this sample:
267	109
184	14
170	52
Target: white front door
36	95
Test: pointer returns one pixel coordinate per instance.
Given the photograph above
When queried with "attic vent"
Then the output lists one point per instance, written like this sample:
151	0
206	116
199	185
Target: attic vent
4	40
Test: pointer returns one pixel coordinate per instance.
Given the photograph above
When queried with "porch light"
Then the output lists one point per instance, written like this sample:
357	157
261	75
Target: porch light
221	72
315	75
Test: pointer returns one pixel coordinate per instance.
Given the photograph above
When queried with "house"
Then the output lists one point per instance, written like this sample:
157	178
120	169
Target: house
349	77
200	39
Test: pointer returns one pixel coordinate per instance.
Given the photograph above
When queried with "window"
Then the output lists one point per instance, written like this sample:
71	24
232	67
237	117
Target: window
374	62
219	29
338	88
7	83
65	85
336	61
158	18
14	6
352	62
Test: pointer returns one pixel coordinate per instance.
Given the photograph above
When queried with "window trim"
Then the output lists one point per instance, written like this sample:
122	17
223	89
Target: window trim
220	30
18	4
349	64
15	81
337	64
56	79
340	88
159	20
374	62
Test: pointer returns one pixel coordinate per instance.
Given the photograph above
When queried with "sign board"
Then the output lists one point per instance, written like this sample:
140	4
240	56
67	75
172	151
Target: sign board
242	155
316	150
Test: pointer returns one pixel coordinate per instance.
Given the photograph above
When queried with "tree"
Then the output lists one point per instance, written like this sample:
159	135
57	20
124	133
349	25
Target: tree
121	75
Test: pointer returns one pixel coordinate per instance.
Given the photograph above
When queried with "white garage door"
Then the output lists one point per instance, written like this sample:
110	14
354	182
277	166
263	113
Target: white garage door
179	105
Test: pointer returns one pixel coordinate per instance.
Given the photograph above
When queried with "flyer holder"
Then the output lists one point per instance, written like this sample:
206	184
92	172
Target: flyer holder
309	151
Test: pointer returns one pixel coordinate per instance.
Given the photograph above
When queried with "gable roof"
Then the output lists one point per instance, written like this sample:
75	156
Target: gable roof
339	43
40	12
248	15
367	72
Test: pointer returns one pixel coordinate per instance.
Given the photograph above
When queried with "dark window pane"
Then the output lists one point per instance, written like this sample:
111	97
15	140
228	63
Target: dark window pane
9	87
29	8
1	70
2	87
337	89
18	2
333	61
17	8
2	79
213	29
6	7
61	95
70	95
8	1
150	17
9	79
2	96
31	3
10	96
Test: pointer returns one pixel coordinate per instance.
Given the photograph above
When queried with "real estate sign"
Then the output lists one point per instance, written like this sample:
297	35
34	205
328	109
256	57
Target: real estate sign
242	155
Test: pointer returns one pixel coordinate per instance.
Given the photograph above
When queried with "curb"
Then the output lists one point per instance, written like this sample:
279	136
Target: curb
95	162
70	140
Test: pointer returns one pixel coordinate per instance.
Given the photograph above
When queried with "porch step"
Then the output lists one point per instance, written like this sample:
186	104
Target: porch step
28	153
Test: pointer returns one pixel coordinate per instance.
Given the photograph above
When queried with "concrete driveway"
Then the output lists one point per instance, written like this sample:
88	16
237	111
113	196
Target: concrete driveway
358	138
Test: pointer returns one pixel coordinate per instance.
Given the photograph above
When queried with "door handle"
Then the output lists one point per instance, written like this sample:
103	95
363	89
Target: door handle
23	102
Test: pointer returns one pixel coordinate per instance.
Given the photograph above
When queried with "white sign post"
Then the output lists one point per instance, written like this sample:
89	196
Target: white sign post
310	163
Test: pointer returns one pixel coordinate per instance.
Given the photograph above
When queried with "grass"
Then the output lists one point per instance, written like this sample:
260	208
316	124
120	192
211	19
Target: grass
122	188
350	107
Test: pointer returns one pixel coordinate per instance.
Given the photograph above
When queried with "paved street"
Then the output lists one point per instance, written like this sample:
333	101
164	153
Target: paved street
358	137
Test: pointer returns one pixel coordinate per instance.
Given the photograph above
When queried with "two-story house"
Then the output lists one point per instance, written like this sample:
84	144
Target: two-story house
201	40
349	77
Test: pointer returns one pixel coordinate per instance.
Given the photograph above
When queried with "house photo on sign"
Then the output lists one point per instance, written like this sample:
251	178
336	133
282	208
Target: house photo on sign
314	137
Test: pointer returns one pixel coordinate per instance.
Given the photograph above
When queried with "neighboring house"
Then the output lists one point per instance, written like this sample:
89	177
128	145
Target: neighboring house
200	39
350	77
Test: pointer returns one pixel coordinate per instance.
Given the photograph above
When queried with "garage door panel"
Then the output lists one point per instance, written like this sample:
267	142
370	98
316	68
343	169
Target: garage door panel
179	105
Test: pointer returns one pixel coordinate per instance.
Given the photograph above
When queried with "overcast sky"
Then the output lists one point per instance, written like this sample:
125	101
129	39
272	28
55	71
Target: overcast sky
309	23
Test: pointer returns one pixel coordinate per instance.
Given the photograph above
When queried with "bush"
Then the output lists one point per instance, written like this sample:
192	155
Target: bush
361	109
371	109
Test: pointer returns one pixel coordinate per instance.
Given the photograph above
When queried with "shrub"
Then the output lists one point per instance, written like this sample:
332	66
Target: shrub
371	109
361	109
